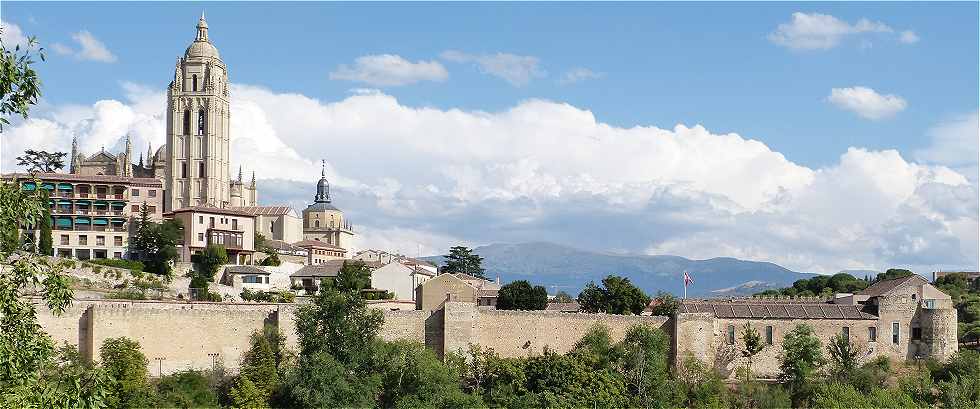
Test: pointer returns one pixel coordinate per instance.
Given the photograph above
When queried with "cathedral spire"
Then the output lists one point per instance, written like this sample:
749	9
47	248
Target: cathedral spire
202	29
253	180
72	168
322	187
239	173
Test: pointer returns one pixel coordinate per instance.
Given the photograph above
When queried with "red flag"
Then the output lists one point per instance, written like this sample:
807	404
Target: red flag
687	279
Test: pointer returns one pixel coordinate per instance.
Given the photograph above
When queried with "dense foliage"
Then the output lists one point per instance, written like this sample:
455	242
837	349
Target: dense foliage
462	260
155	244
520	295
132	265
42	161
268	296
616	296
824	286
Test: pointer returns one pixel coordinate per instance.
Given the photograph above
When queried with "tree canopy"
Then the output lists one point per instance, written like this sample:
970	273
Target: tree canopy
520	295
42	161
462	260
616	296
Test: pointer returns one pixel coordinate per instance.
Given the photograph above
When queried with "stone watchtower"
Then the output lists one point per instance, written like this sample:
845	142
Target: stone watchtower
197	151
322	221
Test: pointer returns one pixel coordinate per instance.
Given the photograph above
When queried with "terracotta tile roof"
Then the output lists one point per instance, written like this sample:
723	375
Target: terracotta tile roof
318	244
209	209
329	268
886	286
68	177
762	310
265	210
245	270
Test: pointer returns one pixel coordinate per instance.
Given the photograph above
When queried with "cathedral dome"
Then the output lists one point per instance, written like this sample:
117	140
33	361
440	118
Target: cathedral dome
202	47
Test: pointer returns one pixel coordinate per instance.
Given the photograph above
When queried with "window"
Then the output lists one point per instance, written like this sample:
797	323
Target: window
202	122
194	82
769	334
731	334
200	219
234	224
136	192
151	209
200	237
99	240
916	333
187	122
64	239
117	255
211	222
153	193
183	169
846	332
83	240
200	146
896	335
136	208
117	241
913	297
200	169
872	334
317	223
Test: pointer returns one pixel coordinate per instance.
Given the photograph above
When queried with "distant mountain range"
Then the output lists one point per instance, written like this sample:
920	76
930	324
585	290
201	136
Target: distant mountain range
565	268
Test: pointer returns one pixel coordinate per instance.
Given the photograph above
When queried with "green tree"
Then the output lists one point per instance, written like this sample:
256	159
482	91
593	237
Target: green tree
843	357
751	346
41	161
45	242
413	377
644	362
665	304
259	366
800	360
462	260
338	323
20	86
520	295
563	297
616	296
245	395
211	260
892	273
353	276
272	259
125	362
185	389
155	244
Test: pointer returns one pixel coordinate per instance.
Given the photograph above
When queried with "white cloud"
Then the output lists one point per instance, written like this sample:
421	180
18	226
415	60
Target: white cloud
390	70
12	35
544	170
90	48
518	70
577	75
866	102
954	143
908	37
815	31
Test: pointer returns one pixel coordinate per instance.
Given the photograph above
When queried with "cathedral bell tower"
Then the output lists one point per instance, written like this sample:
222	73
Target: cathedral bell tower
197	151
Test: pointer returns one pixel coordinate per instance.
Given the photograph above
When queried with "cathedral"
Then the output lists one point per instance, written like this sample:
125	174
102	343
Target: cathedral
194	163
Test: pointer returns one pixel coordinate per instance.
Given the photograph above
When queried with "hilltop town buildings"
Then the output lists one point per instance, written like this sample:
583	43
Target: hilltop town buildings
95	204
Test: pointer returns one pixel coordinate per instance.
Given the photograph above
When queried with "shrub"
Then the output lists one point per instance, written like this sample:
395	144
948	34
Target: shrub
123	360
187	389
119	263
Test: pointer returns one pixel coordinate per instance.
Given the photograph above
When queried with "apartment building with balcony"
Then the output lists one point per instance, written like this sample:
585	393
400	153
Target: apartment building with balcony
92	216
203	225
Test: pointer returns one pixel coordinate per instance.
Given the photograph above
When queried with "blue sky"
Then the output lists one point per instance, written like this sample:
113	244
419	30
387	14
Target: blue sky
903	73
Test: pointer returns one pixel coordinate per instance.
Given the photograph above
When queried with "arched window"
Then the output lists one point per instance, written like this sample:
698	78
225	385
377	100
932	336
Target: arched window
202	122
194	83
317	223
187	122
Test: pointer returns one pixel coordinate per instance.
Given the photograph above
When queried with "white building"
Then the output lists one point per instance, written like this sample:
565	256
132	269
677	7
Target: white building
276	222
399	279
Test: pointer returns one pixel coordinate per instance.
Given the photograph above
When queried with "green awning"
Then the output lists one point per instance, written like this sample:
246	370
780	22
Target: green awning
101	203
100	222
65	202
63	222
49	186
84	202
118	221
28	186
119	204
82	220
64	186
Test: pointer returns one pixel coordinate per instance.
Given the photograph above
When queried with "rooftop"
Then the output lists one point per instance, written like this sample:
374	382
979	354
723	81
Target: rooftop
69	177
726	309
318	244
265	210
886	286
329	268
210	209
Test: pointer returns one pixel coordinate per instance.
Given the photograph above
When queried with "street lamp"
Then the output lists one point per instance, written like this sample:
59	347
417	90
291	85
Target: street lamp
214	359
160	360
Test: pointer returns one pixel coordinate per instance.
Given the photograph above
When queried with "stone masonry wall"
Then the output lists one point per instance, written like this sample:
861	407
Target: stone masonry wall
525	333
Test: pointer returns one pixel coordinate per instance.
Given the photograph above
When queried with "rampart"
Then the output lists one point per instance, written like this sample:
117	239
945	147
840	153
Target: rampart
175	336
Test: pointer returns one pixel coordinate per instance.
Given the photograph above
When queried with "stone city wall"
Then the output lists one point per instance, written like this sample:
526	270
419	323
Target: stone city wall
186	335
702	336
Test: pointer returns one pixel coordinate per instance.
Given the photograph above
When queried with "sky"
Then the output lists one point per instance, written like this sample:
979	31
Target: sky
818	136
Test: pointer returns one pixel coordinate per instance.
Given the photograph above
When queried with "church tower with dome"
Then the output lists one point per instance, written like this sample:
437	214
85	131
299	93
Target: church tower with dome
324	222
198	128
